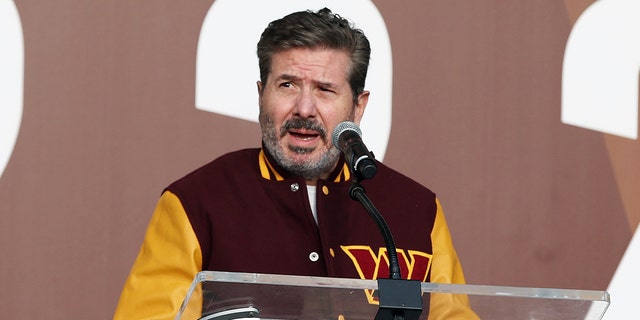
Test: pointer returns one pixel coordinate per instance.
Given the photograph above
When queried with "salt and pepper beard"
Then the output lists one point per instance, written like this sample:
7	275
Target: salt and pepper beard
310	168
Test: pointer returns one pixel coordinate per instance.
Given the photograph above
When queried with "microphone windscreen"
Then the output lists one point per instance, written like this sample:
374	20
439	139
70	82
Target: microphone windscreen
342	127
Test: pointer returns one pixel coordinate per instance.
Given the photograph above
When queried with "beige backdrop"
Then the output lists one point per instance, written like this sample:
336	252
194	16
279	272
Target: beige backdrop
109	120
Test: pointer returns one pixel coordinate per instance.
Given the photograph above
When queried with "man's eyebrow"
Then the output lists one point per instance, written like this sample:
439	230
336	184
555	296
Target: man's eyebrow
326	84
290	77
286	76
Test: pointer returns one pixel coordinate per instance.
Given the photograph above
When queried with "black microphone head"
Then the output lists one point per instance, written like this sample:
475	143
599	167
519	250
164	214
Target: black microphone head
342	127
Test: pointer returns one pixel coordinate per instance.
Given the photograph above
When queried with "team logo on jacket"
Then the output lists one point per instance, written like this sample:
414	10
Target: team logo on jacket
415	265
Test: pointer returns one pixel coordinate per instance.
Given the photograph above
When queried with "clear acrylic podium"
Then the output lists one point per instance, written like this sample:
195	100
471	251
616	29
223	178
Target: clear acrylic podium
226	295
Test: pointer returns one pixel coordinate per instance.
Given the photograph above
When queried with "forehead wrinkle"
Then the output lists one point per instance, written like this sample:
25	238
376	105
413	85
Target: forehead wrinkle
297	63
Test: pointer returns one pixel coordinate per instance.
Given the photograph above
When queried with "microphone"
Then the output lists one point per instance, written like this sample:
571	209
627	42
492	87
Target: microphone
398	298
347	137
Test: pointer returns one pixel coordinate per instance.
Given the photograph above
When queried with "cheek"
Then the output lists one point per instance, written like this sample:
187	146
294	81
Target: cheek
274	104
337	114
272	117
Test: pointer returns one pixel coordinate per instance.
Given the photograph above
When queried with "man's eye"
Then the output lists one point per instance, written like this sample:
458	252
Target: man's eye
286	84
325	89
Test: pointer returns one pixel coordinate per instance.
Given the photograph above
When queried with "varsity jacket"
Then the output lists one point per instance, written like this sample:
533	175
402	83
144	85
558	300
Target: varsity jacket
243	213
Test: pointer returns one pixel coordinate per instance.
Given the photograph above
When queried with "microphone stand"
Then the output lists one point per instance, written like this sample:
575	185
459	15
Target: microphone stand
399	299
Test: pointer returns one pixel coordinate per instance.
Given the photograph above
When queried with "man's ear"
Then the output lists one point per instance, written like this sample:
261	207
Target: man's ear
360	106
259	85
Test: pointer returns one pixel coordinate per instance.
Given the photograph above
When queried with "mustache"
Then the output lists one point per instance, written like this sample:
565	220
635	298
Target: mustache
303	124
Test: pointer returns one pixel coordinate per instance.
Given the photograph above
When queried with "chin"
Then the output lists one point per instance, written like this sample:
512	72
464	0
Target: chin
301	158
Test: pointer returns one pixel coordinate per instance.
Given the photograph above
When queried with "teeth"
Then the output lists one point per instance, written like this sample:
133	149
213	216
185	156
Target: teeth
304	136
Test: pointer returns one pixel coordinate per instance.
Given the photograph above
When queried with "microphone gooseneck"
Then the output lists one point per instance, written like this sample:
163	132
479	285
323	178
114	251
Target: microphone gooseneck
347	137
399	299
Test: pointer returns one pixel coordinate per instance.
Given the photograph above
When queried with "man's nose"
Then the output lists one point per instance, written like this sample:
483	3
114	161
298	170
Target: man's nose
306	104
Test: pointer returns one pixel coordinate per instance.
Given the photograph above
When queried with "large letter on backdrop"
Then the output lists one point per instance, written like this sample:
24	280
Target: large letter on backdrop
11	79
600	70
600	92
227	66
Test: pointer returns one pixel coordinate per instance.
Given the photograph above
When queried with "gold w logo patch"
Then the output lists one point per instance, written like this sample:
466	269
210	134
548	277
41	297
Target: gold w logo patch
415	265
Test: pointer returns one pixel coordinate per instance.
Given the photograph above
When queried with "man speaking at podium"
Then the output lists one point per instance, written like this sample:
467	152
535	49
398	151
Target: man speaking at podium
285	208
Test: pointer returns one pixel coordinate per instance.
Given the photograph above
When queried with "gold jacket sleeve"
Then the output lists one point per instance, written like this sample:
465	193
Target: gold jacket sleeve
446	268
168	261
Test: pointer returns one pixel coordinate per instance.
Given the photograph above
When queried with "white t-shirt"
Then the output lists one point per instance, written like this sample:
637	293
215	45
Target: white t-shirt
311	191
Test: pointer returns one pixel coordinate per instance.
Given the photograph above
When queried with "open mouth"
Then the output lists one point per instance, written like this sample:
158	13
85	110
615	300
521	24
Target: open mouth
305	135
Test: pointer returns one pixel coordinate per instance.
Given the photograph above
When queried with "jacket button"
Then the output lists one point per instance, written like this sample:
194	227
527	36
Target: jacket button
325	190
295	187
314	256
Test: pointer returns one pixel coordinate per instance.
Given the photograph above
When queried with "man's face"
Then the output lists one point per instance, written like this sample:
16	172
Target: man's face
306	95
